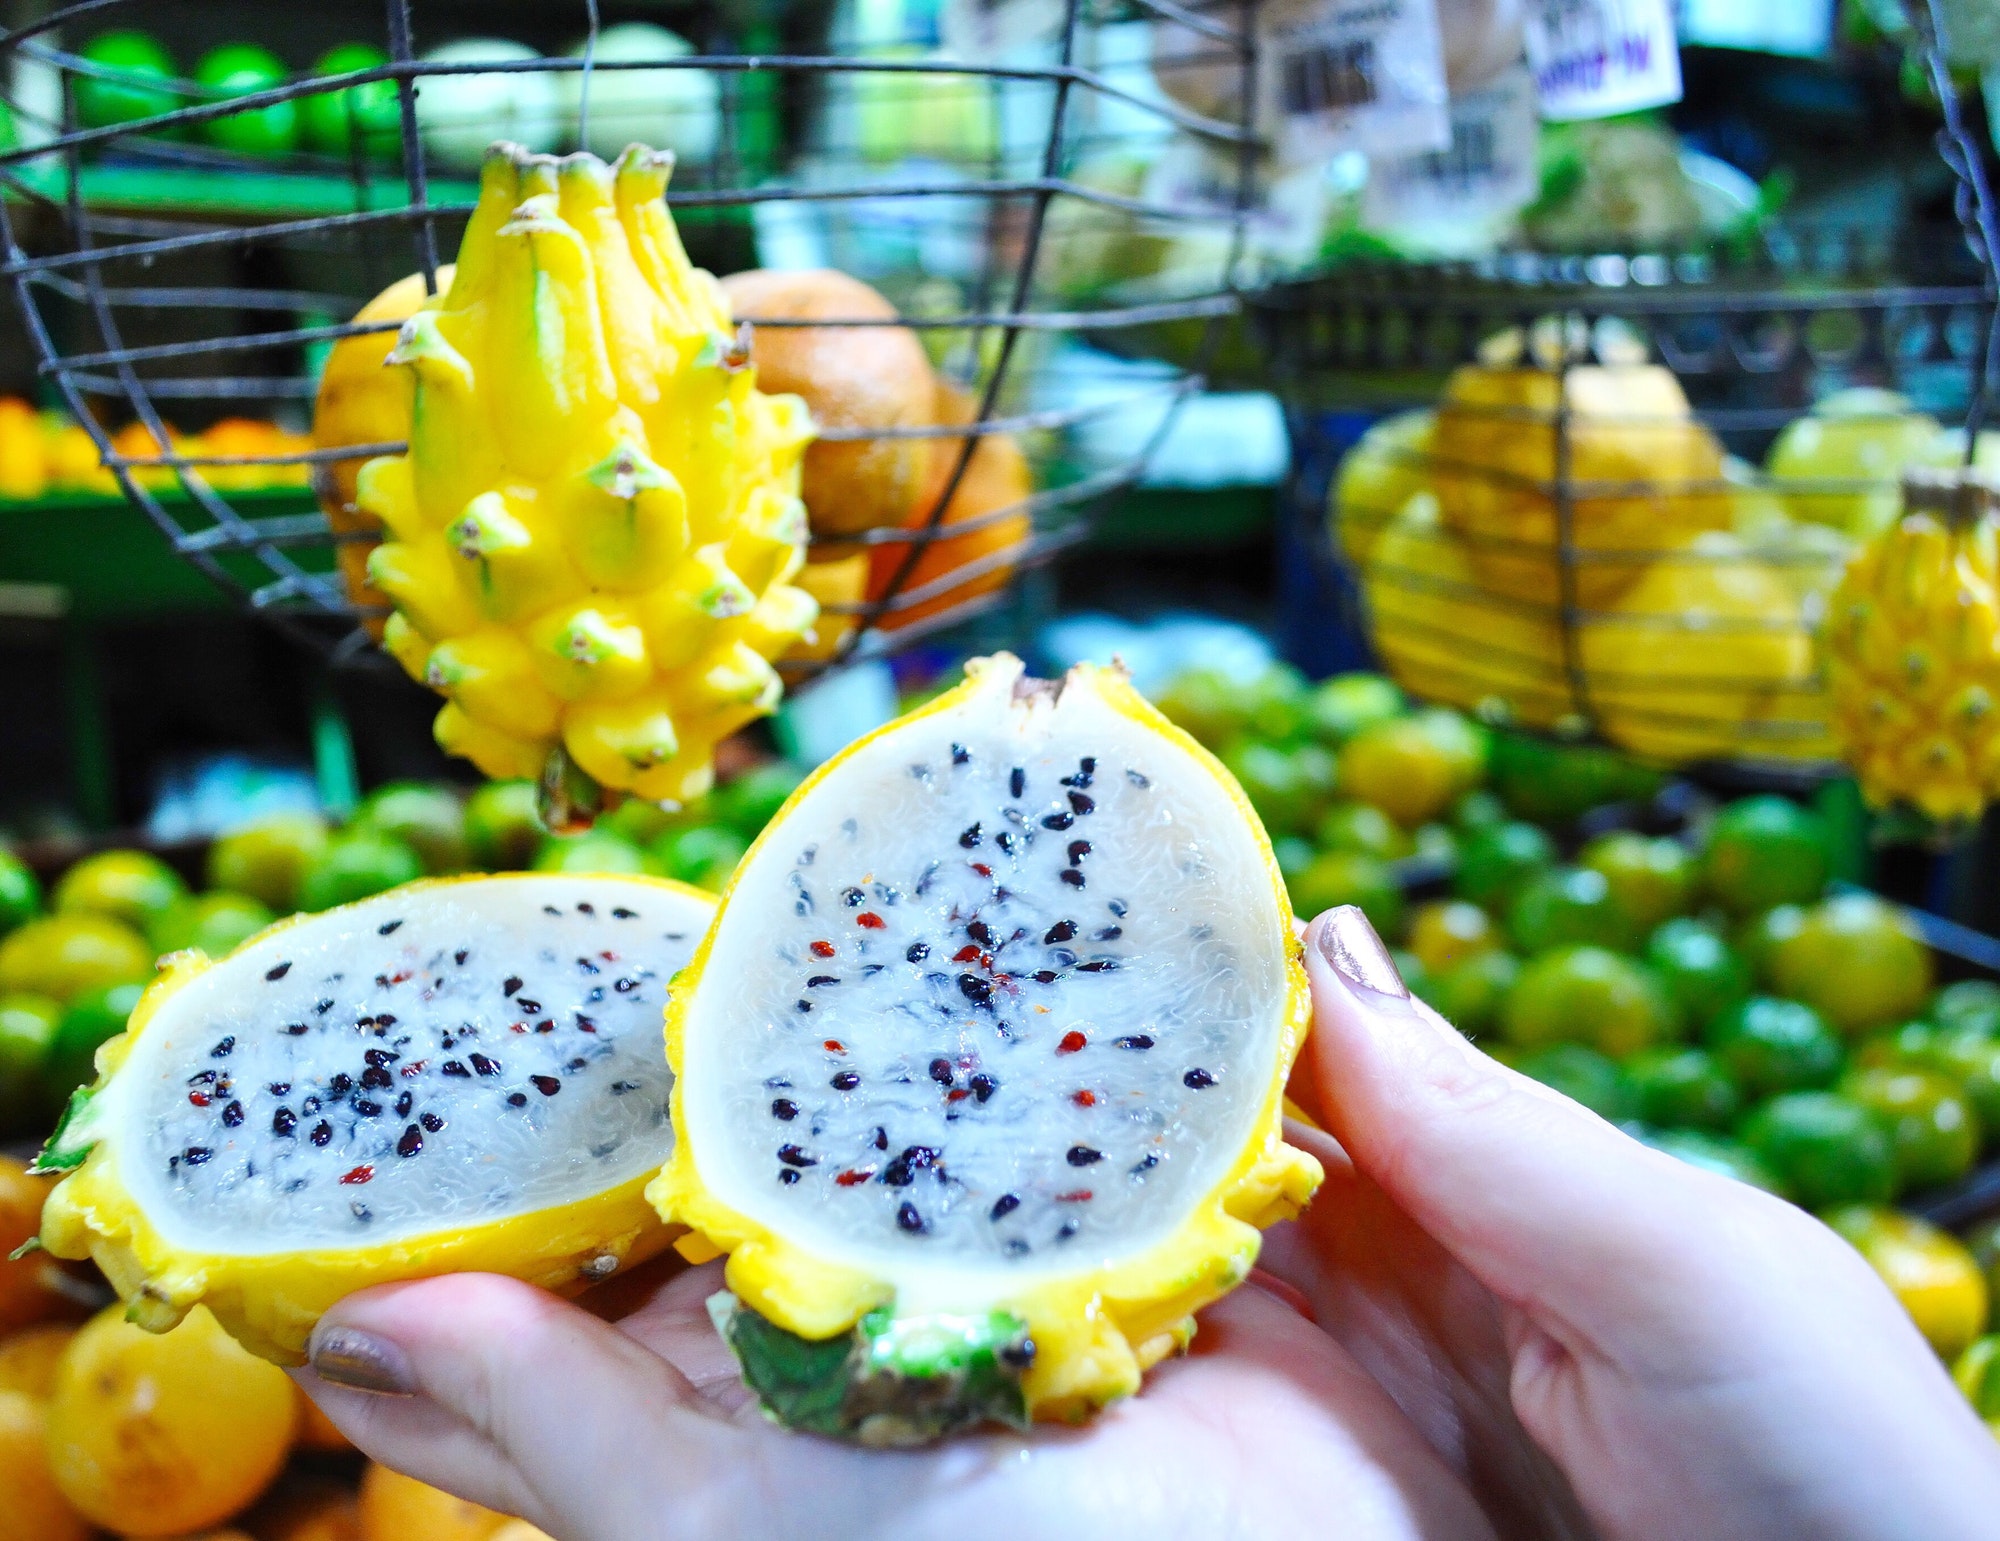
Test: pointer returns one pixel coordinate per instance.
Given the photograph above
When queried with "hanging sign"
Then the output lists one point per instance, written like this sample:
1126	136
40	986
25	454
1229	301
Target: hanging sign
1363	75
1596	58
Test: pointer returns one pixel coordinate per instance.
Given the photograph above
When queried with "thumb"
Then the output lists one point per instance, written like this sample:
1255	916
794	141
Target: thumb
1540	1199
488	1388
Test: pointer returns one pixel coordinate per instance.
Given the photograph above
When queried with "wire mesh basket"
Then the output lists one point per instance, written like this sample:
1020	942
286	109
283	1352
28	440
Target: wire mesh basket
1617	488
182	284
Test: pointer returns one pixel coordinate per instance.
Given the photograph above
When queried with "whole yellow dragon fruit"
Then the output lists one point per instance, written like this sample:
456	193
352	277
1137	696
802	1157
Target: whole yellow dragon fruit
1913	651
591	536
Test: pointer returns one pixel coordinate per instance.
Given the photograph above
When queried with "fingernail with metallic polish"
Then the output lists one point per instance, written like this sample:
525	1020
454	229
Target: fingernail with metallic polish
1348	942
361	1361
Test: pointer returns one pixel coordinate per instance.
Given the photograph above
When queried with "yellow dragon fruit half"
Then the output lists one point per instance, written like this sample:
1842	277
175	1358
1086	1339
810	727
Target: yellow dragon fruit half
591	537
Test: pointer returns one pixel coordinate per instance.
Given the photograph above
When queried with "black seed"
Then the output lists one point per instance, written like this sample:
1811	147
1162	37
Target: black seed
784	1108
980	932
577	1064
791	1155
1061	931
881	1138
296	1029
1082	1155
322	1007
852	897
1003	1206
621	913
384	1022
1005	841
1017	1246
309	1107
595	995
960	754
620	1088
918	952
1058	820
845	1081
1117	907
513	983
232	1116
1019	1355
1097	966
920	1156
530	1008
802	1005
1066	1230
546	1026
973	988
941	1071
460	956
969	837
1135	1041
585	907
321	1133
1046	976
194	1155
366	1108
284	1121
907	1217
550	909
483	1065
278	972
375	1078
1137	779
203	1078
626	986
386	927
380	1057
983	1086
1063	957
341	1084
412	1141
517	1099
1017	781
1071	876
1108	934
822	979
403	1105
1078	849
547	1085
431	1121
1197	1080
453	1067
1152	1160
1081	804
223	1049
787	1176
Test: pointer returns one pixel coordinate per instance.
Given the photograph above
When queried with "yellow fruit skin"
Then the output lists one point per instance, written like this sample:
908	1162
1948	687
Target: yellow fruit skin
270	1303
399	1508
158	1435
1096	1332
1377	477
1644	474
1913	663
595	487
28	1358
1929	1270
32	1507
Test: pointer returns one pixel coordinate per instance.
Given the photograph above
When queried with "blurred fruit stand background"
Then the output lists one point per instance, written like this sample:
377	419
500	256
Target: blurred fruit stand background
1552	507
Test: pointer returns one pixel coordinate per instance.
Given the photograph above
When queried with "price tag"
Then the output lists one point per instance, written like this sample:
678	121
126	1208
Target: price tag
1363	75
1594	58
1462	198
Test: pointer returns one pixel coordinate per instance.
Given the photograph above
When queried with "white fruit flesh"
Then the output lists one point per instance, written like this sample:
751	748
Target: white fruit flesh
515	1021
964	1080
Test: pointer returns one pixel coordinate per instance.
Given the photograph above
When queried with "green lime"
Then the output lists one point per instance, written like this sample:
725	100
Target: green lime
753	799
1931	1125
1771	1045
1912	1045
132	886
28	1026
1971	1060
1652	879
1444	932
1341	707
1294	854
1582	1075
1469	993
1344	877
369	114
1276	703
268	859
1494	863
1288	785
143	87
1365	829
92	1018
641	822
1587	995
595	850
217	922
64	955
701	854
1681	1088
1984	1240
1566	907
1727	1158
1855	961
1207	703
1478	809
502	829
1416	978
20	892
243	69
1977	1373
1558	783
427	818
1825	1148
1436	846
1764	851
1698	968
1758	938
1973	1003
356	866
1414	768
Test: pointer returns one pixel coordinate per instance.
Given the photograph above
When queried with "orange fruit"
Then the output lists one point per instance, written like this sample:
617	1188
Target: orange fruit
31	1288
249	436
137	442
851	377
28	1358
24	471
843	581
316	1430
32	1508
163	1434
996	477
307	1511
399	1508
